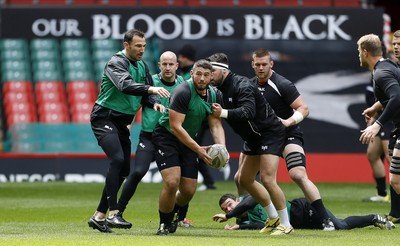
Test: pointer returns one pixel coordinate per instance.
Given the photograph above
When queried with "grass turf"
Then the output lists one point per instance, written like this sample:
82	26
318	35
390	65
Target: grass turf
57	214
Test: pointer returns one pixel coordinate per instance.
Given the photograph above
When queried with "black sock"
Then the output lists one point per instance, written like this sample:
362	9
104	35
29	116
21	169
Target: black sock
381	186
166	218
394	204
320	208
182	212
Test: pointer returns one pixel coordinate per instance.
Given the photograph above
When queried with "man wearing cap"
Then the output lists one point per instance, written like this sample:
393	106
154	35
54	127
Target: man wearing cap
186	59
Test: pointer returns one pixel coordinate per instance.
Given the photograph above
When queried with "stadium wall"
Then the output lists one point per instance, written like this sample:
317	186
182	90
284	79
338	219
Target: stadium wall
313	47
330	168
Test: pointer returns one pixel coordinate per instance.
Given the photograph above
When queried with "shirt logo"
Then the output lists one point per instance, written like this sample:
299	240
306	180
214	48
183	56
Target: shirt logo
160	152
265	147
230	99
108	127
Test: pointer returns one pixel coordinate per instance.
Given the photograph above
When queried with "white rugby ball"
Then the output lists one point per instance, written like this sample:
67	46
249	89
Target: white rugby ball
219	155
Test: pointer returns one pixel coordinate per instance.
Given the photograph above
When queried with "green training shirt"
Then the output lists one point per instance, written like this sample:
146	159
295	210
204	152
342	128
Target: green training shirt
150	117
112	98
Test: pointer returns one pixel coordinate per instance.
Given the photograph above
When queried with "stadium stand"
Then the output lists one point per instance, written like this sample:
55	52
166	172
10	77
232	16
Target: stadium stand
31	68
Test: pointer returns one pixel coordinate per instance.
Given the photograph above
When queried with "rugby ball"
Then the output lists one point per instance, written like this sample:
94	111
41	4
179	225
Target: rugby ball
219	155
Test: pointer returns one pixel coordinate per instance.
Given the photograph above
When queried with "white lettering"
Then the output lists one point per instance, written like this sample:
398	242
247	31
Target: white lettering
306	27
334	27
176	31
256	29
149	22
101	29
268	28
23	177
225	27
116	33
84	178
187	24
68	27
253	29
292	26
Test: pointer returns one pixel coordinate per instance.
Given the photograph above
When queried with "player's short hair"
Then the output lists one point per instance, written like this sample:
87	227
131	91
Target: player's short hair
396	34
226	197
202	63
261	52
219	57
131	33
371	43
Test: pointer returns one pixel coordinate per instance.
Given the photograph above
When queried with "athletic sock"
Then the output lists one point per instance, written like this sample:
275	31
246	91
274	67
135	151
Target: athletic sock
166	218
284	217
318	205
182	211
394	203
381	186
270	210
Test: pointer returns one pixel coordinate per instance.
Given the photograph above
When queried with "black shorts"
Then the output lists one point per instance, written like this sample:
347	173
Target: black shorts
170	152
145	143
303	215
271	142
106	121
294	136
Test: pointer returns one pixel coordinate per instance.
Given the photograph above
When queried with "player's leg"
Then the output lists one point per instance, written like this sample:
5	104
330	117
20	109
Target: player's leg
268	170
375	151
394	176
296	165
241	191
111	144
143	157
114	218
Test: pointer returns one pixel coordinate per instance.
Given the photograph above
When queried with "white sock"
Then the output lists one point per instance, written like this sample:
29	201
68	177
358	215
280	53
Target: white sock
284	217
270	210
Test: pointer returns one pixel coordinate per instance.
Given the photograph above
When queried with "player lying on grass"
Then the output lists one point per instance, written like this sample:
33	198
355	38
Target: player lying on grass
250	215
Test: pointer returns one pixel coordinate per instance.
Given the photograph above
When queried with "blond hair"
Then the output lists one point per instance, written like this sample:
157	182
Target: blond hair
371	43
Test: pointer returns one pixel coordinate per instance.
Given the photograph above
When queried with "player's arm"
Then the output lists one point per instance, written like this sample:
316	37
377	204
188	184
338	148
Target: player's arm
370	114
176	120
216	129
117	70
300	112
247	203
251	226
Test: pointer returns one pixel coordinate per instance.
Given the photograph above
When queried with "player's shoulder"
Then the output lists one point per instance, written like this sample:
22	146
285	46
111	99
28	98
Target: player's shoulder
279	79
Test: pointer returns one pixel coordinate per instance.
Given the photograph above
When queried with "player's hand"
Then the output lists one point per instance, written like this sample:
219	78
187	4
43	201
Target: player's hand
204	156
159	107
285	123
216	109
231	227
369	113
369	133
162	92
219	218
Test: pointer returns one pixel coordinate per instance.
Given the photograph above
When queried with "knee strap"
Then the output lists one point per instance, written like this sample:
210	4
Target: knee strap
295	159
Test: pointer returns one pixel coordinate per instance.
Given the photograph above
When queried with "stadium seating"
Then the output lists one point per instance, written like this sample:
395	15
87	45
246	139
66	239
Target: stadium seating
52	138
44	44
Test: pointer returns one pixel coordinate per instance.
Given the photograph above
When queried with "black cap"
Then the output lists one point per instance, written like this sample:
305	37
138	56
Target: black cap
188	51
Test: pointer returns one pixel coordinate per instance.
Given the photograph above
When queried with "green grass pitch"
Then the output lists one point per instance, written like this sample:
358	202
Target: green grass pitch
57	214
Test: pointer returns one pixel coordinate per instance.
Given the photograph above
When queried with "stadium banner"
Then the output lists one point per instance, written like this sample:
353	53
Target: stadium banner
327	168
192	23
